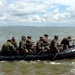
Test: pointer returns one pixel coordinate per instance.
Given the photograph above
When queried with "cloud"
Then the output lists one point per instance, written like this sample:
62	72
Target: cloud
1	4
67	2
68	15
56	10
27	7
17	11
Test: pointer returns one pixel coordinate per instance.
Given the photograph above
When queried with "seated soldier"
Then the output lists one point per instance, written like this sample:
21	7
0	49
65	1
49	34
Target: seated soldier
46	42
30	45
22	46
47	38
39	45
65	42
7	48
13	41
54	45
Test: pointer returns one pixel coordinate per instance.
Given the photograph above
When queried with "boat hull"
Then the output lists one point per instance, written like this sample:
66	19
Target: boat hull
66	54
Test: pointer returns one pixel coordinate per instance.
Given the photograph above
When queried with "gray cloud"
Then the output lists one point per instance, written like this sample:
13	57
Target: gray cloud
35	11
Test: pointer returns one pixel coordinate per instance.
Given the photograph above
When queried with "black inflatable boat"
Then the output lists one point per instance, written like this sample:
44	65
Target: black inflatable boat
66	54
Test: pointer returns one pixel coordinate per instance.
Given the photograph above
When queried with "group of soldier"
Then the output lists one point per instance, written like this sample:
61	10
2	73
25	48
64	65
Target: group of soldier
43	45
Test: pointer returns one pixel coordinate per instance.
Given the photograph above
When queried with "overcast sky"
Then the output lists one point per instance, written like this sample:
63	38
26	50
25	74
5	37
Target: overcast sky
37	12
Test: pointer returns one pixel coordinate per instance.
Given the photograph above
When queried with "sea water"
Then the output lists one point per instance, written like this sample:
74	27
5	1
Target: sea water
59	67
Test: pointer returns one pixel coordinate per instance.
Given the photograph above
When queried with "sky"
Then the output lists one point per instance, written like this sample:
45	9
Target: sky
37	12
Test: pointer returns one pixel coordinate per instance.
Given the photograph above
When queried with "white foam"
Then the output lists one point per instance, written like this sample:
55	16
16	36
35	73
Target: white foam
55	63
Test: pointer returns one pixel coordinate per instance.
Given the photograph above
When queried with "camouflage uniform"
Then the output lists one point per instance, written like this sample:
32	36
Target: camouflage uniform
30	46
14	42
22	45
39	46
46	42
7	48
54	46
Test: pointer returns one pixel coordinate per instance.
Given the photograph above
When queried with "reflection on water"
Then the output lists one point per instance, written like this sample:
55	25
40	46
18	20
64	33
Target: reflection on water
63	67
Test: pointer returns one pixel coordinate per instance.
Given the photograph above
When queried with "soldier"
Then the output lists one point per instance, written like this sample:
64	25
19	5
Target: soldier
39	45
46	42
22	45
65	42
30	45
13	41
54	45
7	48
47	38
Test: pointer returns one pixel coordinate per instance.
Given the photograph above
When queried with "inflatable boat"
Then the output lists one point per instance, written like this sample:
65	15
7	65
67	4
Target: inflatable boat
66	54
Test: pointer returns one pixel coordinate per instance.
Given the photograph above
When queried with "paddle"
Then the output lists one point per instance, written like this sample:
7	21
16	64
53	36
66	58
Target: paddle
25	53
73	43
55	56
36	55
